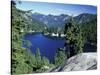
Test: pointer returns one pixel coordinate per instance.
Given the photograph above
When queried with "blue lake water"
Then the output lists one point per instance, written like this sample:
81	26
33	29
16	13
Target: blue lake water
48	46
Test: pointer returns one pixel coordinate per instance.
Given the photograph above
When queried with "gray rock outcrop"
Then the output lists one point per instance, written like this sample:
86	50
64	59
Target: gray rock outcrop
80	62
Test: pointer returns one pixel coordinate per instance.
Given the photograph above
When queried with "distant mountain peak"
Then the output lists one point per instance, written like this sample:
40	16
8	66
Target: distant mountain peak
36	13
85	17
64	15
60	20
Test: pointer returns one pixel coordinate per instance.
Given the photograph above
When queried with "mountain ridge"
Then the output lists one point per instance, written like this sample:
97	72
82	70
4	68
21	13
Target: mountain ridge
59	20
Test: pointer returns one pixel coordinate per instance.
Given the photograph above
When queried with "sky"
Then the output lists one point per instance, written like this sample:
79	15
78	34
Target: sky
56	8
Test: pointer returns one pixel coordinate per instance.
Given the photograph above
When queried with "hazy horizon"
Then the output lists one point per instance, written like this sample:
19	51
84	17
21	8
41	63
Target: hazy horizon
56	8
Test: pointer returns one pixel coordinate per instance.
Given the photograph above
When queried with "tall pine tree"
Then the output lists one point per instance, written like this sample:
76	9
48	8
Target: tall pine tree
38	58
74	39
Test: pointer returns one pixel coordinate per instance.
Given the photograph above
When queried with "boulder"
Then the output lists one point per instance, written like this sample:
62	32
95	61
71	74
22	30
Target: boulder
80	62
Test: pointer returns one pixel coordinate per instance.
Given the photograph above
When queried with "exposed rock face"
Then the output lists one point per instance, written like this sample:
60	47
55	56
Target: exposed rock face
80	62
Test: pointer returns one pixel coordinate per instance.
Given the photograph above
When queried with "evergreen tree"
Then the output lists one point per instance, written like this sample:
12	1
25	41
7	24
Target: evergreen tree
74	38
60	57
45	61
89	31
38	58
21	57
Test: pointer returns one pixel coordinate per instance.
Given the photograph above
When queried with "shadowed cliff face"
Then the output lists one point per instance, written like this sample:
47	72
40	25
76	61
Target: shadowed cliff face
80	62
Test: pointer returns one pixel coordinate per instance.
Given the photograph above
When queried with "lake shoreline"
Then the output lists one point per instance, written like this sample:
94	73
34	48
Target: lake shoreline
48	45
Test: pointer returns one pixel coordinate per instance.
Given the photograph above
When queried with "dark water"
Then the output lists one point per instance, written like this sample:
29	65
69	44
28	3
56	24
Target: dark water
89	48
48	46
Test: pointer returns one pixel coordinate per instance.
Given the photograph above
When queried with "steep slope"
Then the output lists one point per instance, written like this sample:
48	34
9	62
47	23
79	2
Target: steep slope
85	17
28	22
51	20
37	25
59	20
80	62
21	58
89	30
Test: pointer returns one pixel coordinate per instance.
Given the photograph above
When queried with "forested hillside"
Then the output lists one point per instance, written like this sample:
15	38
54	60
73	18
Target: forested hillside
23	61
19	54
89	31
56	23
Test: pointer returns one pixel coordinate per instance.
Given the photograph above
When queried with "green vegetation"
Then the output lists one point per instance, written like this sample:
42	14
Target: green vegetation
23	61
20	56
78	34
26	62
74	38
55	30
89	30
45	61
37	26
60	57
38	58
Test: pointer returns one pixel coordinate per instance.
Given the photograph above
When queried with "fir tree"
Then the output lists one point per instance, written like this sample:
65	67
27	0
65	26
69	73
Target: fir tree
74	38
60	57
38	58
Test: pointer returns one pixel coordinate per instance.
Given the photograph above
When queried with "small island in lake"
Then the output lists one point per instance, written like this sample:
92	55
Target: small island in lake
52	37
